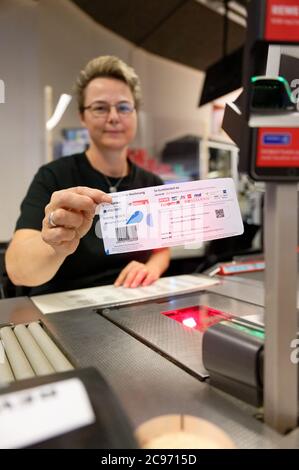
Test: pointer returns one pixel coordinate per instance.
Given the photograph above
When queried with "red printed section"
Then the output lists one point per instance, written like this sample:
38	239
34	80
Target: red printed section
278	147
140	203
282	21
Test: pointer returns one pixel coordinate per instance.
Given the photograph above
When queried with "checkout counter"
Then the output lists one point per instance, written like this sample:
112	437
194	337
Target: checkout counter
153	363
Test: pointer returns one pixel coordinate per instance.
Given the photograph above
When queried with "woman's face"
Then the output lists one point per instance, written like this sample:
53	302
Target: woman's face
109	128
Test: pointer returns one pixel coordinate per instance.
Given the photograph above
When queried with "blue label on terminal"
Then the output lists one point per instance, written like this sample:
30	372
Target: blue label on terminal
276	139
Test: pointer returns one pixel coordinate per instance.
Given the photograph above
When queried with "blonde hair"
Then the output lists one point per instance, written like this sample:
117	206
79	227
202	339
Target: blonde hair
107	67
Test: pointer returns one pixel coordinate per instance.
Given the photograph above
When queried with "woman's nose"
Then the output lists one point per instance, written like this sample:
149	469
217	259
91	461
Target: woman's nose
113	114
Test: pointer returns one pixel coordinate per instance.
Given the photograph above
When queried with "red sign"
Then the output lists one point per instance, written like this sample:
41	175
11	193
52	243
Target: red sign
278	147
282	21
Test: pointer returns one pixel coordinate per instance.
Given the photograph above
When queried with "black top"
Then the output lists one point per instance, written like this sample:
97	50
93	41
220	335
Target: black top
89	266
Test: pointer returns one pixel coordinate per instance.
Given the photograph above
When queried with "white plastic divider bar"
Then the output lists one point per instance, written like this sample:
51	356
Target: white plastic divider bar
53	354
35	355
17	359
6	374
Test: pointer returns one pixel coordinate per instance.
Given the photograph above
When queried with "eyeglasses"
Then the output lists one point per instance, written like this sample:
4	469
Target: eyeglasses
102	109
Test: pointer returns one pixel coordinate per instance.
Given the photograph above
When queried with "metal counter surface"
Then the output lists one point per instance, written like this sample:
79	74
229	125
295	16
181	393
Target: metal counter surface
18	310
239	288
247	287
149	385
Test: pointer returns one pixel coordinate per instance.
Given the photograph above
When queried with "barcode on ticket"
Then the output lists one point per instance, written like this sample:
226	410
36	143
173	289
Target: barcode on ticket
127	233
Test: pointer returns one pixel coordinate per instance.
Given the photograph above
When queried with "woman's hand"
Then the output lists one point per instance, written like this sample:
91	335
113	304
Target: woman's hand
137	274
69	216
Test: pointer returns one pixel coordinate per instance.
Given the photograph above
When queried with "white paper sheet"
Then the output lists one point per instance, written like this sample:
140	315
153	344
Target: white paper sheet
169	215
110	295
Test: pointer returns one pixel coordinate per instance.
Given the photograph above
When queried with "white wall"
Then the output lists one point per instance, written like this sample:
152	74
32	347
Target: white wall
171	94
20	115
47	43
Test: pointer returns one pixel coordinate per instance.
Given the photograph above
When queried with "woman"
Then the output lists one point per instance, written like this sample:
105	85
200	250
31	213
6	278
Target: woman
54	247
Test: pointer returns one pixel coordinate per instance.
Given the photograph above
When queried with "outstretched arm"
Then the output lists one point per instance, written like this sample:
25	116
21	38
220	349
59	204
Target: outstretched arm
33	257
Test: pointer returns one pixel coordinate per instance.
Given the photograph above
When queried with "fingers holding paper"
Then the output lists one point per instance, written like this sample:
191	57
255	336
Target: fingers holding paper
69	216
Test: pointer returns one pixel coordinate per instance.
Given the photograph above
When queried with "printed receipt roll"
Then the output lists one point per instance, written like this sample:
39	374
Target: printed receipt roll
18	361
56	358
6	374
38	360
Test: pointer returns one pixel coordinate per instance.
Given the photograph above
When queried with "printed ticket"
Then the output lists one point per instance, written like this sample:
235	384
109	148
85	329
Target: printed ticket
169	215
